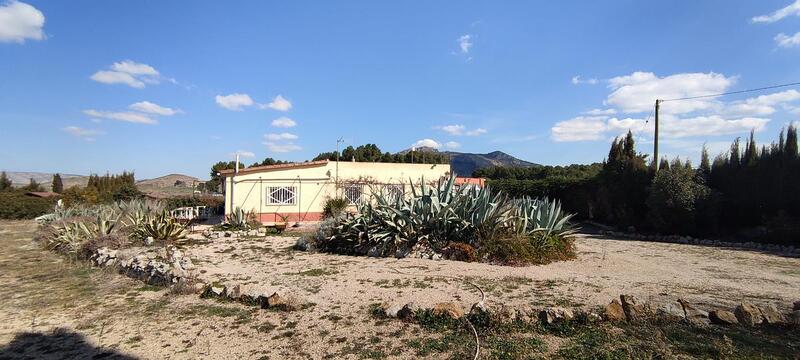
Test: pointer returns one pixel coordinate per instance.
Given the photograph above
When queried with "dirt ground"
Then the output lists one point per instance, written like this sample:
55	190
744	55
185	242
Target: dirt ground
604	269
53	308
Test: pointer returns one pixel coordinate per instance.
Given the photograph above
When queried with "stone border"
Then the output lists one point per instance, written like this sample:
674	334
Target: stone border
627	308
678	239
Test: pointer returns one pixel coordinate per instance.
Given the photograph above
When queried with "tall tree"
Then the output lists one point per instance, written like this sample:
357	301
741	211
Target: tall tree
58	185
5	182
33	186
791	142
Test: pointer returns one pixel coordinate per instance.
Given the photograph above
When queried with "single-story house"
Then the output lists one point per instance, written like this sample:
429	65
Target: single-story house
298	191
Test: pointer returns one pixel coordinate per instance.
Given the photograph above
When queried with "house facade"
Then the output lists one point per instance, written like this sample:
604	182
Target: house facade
297	192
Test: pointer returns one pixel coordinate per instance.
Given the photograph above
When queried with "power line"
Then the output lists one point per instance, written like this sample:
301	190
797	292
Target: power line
734	92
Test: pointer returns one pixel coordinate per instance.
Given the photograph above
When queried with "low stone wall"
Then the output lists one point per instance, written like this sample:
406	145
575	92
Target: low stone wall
627	308
154	268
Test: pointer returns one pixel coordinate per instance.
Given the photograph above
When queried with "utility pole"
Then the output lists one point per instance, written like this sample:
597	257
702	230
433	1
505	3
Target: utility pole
336	187
655	139
233	180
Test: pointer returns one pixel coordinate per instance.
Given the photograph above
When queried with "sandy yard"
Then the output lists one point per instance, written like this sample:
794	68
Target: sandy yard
54	308
604	269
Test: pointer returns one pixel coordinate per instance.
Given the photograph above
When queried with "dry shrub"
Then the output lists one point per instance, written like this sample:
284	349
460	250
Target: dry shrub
113	241
460	252
522	250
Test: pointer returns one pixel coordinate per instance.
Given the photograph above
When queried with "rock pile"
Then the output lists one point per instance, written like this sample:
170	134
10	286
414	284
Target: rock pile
276	301
216	234
150	268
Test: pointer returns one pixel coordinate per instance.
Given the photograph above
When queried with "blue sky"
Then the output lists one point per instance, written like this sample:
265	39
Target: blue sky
171	87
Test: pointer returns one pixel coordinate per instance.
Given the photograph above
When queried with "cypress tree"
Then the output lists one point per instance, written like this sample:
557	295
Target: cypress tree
734	160
33	186
751	152
791	142
58	185
5	182
705	165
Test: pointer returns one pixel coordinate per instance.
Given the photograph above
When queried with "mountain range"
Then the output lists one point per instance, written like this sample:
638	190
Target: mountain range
464	164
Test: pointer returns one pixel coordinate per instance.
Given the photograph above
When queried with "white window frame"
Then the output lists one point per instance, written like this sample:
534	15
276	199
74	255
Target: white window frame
350	195
281	195
395	189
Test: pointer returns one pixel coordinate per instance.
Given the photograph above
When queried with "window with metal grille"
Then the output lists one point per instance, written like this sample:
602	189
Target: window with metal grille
354	193
394	190
281	195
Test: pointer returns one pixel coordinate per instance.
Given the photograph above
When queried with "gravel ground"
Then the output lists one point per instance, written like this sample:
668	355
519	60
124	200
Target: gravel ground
53	308
604	269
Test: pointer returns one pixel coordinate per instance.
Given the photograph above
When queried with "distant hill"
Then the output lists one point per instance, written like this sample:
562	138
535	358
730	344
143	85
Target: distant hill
464	164
169	181
20	179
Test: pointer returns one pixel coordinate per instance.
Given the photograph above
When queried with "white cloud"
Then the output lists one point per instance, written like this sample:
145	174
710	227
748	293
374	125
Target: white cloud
279	103
786	41
283	122
623	126
599	127
761	105
576	80
452	145
151	108
244	153
581	128
134	68
460	130
637	92
598	112
791	9
710	126
235	102
85	134
281	136
130	73
114	77
19	22
426	143
464	43
128	116
282	148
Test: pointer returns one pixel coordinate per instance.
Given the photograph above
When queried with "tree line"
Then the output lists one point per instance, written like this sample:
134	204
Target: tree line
747	191
362	153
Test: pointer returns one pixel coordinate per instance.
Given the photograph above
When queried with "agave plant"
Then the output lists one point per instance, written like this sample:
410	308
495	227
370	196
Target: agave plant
162	227
68	237
439	213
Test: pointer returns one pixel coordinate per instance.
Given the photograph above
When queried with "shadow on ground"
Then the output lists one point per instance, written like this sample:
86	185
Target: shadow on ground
58	344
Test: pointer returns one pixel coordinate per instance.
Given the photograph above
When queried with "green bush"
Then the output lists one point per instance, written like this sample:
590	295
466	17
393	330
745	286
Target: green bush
674	198
14	204
214	203
334	207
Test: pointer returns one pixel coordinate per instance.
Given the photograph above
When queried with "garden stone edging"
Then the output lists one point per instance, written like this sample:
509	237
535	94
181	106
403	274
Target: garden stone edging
147	267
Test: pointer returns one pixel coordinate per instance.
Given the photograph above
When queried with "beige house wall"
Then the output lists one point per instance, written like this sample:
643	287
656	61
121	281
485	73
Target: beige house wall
314	183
